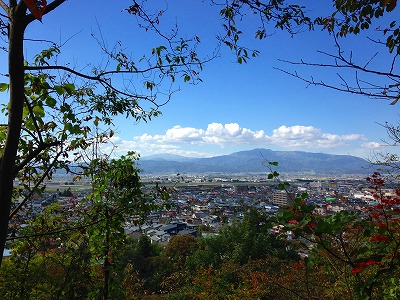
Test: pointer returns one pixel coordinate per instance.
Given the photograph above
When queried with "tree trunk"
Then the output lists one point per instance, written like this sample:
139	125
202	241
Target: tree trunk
16	104
106	264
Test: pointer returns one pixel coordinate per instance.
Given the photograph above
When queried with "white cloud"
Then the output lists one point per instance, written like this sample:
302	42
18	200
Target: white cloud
373	145
215	133
309	137
353	137
182	140
184	134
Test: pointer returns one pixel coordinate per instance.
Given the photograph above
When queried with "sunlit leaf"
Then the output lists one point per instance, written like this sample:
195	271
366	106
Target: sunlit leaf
69	87
38	111
3	87
25	112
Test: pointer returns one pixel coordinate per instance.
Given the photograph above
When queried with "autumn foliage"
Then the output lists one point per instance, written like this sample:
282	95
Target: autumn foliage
36	7
361	247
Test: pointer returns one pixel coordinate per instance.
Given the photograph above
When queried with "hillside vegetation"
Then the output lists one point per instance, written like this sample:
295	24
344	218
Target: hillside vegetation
297	254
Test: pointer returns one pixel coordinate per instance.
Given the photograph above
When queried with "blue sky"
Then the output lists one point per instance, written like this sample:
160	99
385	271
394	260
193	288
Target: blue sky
236	107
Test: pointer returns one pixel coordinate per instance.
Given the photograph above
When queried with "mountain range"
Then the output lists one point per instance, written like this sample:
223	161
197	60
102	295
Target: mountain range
254	161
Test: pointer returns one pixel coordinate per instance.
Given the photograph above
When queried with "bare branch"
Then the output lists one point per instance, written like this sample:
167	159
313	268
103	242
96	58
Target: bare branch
88	77
390	91
53	5
347	90
365	66
344	81
5	7
347	65
393	62
32	155
28	104
358	82
38	183
142	13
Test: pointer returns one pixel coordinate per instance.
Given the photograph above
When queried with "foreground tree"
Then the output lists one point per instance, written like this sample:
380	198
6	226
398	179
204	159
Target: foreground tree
49	260
75	246
116	196
360	248
53	107
51	113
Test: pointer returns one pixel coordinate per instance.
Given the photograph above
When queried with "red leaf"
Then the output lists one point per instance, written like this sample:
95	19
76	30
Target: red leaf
36	7
379	238
356	270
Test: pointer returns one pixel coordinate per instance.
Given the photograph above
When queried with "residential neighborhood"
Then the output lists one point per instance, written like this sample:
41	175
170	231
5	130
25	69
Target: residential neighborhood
200	206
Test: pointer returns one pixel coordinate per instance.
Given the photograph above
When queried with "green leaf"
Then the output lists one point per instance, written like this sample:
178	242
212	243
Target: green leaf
25	112
69	87
4	87
59	89
285	215
51	102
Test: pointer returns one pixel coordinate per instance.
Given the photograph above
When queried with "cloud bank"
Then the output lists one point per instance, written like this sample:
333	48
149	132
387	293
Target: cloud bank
190	141
233	134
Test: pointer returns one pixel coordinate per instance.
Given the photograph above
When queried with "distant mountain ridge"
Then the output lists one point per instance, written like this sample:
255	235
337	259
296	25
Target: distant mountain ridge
251	161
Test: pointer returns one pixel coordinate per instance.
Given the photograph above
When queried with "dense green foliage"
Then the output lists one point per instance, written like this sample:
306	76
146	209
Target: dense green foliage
73	263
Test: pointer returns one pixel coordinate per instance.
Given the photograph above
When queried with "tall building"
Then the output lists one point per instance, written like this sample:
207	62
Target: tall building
282	198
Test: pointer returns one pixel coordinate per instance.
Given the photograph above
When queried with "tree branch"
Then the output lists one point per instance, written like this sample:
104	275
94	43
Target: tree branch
34	154
390	91
142	14
34	119
347	90
348	65
97	78
5	7
100	77
28	197
53	5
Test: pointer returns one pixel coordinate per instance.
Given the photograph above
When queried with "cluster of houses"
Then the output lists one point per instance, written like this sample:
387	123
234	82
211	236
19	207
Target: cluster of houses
201	208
